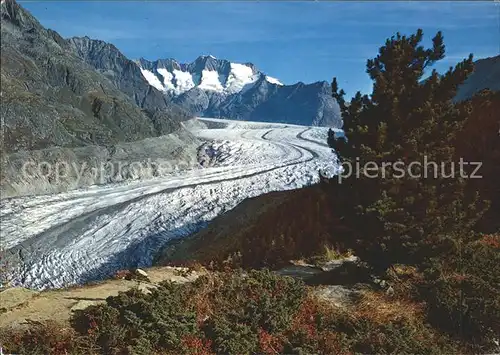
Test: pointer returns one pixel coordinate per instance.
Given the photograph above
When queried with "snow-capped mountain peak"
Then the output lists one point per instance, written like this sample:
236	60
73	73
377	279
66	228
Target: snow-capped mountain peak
206	73
213	87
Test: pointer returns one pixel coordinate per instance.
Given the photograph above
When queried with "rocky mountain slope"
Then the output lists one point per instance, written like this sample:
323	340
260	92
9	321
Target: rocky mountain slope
213	87
210	87
55	107
52	98
127	76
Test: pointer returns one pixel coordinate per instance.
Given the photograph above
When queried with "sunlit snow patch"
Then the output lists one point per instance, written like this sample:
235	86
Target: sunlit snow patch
184	81
152	79
167	78
210	81
240	76
272	80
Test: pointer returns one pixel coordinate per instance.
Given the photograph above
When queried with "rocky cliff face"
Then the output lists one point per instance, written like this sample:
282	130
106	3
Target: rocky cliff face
127	77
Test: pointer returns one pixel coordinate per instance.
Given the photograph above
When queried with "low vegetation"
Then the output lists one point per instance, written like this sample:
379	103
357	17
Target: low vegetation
255	312
463	293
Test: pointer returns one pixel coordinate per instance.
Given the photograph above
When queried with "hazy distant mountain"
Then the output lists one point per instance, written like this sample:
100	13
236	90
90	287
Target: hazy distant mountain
486	75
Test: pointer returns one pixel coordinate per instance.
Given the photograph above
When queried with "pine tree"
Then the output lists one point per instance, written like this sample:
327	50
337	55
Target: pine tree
406	119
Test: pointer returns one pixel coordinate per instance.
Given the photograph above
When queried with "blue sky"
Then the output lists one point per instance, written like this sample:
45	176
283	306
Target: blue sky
294	41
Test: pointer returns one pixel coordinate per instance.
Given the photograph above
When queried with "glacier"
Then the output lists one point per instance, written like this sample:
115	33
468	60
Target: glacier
83	235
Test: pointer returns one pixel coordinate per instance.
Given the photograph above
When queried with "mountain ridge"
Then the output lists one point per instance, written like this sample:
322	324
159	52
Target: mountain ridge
52	98
210	87
214	87
57	108
486	75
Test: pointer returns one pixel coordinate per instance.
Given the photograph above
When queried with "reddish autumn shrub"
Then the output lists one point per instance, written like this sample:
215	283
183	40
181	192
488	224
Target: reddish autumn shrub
312	332
491	240
47	337
305	320
195	345
270	344
123	275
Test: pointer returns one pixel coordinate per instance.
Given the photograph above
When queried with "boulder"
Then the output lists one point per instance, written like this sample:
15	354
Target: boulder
84	304
141	275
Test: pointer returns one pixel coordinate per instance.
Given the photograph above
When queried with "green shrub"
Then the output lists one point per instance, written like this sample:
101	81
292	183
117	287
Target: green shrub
132	319
256	312
228	311
260	299
463	293
230	337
